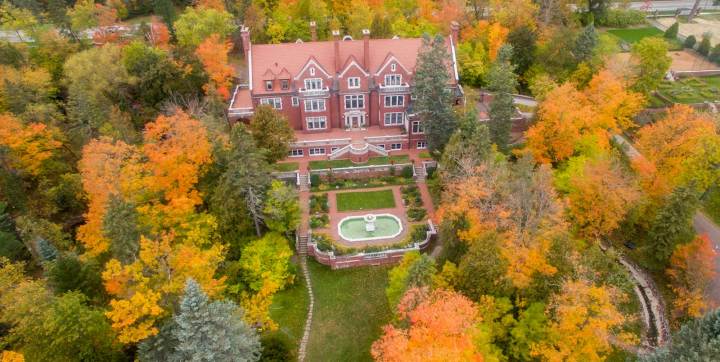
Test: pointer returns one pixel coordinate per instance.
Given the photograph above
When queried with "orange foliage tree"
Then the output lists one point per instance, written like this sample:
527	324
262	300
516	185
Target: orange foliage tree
106	17
30	145
600	196
441	327
692	269
584	321
513	14
213	53
158	35
683	147
491	35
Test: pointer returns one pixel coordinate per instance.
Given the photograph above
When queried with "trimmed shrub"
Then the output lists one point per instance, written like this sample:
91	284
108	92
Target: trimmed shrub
690	42
319	221
672	31
315	179
621	18
416	214
715	54
407	172
704	47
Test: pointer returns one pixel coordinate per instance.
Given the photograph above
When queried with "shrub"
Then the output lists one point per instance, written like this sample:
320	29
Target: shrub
418	233
275	349
315	179
319	203
690	42
416	214
672	31
704	47
407	172
323	242
715	53
622	18
319	221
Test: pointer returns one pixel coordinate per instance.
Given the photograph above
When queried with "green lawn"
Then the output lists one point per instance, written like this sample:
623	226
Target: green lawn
285	166
634	35
384	160
365	200
289	310
691	90
350	310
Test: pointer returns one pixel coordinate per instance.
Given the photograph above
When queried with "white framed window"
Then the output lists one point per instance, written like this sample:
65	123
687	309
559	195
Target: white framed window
296	152
394	118
421	145
394	101
268	85
316	122
393	79
314	105
353	82
313	83
381	146
333	149
275	102
354	101
312	71
396	146
417	127
295	101
393	67
284	84
316	151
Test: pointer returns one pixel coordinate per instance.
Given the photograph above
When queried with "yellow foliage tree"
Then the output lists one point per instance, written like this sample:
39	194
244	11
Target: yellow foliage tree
30	145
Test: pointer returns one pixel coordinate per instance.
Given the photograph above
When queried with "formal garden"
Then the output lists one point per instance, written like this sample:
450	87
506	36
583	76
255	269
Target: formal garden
688	90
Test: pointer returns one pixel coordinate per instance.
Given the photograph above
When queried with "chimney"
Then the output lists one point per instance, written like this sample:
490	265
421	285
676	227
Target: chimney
366	48
454	30
245	36
336	40
313	31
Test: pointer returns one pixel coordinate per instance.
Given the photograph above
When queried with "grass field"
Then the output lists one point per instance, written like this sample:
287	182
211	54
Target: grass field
285	166
289	310
634	35
691	90
350	310
365	200
384	160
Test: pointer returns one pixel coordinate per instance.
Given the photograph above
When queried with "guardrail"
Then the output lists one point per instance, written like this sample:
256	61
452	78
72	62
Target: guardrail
359	169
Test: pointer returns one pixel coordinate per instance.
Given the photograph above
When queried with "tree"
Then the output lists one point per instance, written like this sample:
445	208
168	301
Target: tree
672	32
195	25
441	325
211	331
653	62
523	41
585	43
121	229
530	329
690	42
360	18
600	197
272	132
692	269
715	54
584	320
697	340
502	81
16	19
68	273
243	183
213	53
704	47
282	209
672	224
166	10
31	146
380	28
265	267
513	14
433	102
414	271
467	148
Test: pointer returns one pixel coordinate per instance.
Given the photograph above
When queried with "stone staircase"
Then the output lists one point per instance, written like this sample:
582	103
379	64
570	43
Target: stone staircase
303	182
419	173
301	246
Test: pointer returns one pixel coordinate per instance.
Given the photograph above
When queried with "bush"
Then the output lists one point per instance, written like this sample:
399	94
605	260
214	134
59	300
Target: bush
621	18
704	47
319	203
407	172
315	179
672	31
715	53
416	214
323	242
418	233
319	221
690	42
275	349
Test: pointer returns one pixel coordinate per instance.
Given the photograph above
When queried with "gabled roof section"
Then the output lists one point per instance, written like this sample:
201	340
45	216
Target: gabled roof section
312	62
269	74
389	59
349	64
284	74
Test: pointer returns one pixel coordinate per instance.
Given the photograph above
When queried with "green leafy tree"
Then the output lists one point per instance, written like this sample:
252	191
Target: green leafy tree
653	63
381	28
197	24
704	47
120	226
690	42
68	273
10	246
433	99
271	131
473	62
523	41
585	43
16	19
157	76
166	10
672	31
415	270
467	148
242	185
531	328
266	261
715	54
282	209
697	340
673	223
502	81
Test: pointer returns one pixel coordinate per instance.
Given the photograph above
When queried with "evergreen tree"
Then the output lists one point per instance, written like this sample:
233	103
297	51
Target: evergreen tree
690	42
46	250
673	223
672	31
68	273
467	148
502	82
704	47
715	54
523	41
433	101
166	10
212	331
380	28
697	340
160	347
120	226
585	43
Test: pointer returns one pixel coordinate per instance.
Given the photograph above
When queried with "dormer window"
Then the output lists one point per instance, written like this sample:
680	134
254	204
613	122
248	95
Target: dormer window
268	85
393	79
313	83
312	71
284	84
393	67
354	82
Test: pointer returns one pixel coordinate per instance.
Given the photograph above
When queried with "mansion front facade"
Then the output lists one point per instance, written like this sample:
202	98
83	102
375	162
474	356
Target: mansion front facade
345	98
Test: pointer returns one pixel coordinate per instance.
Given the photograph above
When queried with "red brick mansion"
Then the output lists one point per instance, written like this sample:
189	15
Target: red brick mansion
345	98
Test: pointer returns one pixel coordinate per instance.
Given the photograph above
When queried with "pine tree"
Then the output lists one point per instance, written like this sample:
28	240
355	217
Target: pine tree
690	42
704	47
698	340
673	223
46	250
381	28
523	41
585	43
433	99
120	226
672	31
166	10
502	82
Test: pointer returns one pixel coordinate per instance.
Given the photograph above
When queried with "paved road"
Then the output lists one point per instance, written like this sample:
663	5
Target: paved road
673	4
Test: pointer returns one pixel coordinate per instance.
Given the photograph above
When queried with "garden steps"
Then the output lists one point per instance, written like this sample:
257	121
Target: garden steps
419	173
304	182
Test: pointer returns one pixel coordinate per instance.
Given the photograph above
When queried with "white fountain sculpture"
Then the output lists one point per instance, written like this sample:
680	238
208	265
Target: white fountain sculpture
369	222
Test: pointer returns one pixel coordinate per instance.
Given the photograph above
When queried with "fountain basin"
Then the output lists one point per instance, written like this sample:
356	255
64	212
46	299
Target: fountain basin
385	226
